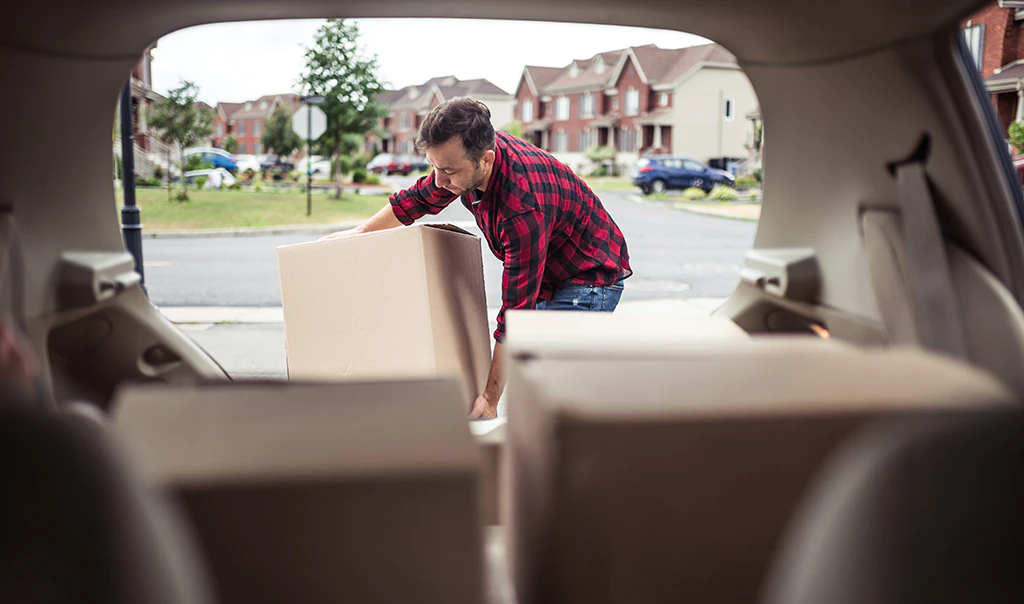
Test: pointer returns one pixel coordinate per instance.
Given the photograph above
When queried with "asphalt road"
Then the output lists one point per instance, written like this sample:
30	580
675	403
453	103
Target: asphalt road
674	254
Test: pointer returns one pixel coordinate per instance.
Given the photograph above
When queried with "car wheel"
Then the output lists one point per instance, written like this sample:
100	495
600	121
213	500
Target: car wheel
658	185
699	184
646	190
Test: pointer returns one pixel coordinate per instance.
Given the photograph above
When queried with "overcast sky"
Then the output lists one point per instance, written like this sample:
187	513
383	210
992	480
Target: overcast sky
243	61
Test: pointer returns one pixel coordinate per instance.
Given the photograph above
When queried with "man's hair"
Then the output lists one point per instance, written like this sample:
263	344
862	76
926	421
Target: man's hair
466	118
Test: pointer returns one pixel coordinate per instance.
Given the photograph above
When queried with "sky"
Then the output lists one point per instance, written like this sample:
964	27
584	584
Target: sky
243	61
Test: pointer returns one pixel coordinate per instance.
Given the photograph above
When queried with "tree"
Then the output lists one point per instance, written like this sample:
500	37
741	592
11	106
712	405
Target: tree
278	136
339	69
515	129
231	144
181	121
604	157
1016	134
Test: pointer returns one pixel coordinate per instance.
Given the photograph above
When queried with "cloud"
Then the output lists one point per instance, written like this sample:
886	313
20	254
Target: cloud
242	61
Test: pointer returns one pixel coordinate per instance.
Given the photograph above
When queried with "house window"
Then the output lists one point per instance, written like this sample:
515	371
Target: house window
241	129
562	108
256	127
663	99
727	111
975	37
403	121
527	111
581	141
632	102
561	142
615	102
257	149
243	148
587	105
220	130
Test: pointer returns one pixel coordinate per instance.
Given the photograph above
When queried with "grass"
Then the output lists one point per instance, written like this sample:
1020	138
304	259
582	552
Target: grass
610	183
232	209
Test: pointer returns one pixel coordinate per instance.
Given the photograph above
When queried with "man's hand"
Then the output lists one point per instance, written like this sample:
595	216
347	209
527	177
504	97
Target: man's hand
341	234
483	409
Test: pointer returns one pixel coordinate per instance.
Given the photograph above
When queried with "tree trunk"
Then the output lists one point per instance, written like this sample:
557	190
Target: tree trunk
184	184
337	156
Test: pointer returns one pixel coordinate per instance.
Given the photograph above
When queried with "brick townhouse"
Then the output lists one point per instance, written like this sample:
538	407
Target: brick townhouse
994	37
643	99
408	107
247	120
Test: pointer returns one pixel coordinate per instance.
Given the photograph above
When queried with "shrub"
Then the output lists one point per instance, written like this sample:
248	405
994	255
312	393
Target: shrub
759	174
158	173
200	182
258	187
746	182
755	194
196	162
372	179
359	175
694	193
723	193
235	186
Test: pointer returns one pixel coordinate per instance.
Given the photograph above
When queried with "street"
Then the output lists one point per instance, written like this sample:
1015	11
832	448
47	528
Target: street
674	254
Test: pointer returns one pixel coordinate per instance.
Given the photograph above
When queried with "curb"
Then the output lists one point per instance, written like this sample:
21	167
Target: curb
675	206
297	229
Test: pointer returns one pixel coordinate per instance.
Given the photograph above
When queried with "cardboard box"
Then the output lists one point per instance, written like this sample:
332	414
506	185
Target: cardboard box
406	302
670	477
356	492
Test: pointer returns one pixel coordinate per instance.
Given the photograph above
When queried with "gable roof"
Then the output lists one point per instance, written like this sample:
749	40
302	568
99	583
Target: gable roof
655	66
419	97
260	108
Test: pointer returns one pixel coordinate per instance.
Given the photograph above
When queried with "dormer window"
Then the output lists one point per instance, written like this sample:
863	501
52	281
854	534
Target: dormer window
599	65
248	105
574	70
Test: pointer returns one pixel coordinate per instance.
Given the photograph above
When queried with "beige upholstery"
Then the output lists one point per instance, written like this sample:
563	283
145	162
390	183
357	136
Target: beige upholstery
994	325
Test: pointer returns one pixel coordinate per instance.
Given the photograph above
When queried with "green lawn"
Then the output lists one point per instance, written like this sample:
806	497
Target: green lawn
610	183
229	209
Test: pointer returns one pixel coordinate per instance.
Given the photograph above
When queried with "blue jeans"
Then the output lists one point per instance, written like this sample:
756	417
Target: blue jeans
596	298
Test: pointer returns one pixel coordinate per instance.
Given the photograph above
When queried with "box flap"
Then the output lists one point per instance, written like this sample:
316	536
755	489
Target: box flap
447	227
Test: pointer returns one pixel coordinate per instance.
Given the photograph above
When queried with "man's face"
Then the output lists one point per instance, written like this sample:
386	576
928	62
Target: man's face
454	171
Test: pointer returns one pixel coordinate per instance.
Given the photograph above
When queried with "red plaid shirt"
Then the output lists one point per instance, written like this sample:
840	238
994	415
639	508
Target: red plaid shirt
539	218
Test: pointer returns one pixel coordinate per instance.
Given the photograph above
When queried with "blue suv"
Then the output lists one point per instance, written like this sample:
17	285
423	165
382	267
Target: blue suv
658	173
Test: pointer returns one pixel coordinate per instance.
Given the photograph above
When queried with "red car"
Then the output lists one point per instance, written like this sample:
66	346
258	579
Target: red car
386	163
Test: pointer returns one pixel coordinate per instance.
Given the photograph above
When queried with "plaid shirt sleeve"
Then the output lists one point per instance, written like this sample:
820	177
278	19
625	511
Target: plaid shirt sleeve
420	199
525	241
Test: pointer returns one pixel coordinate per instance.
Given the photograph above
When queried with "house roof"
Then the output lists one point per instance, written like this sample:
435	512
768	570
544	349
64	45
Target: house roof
260	108
419	97
542	76
1012	71
656	65
227	110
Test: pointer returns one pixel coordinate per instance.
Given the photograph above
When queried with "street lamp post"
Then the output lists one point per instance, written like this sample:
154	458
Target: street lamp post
131	222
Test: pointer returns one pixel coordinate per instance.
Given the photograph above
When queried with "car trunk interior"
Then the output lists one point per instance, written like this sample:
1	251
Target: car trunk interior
845	93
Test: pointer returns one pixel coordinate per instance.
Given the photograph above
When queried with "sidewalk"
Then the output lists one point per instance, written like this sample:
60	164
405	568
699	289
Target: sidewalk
734	210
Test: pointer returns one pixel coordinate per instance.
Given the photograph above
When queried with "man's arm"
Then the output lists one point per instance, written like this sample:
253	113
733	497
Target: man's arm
404	207
486	405
384	219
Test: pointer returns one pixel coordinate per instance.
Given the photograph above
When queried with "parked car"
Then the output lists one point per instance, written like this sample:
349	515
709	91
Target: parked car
387	163
657	174
276	163
218	157
247	162
418	163
317	165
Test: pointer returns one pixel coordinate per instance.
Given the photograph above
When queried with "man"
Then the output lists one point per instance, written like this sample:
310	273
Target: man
560	248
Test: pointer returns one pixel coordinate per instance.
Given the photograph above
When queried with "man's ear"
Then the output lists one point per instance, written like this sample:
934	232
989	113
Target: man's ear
488	158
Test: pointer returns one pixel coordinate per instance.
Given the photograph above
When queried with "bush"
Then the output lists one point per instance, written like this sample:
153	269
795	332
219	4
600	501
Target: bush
199	182
372	179
235	186
359	175
723	193
746	182
755	194
196	162
759	175
258	187
158	173
694	194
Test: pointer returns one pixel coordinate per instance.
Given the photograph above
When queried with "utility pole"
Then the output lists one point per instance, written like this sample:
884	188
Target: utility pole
131	223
